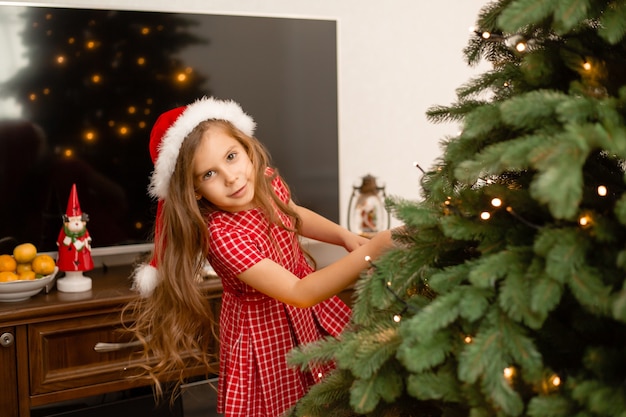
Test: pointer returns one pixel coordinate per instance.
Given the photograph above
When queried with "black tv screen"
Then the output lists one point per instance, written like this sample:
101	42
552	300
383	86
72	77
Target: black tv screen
81	88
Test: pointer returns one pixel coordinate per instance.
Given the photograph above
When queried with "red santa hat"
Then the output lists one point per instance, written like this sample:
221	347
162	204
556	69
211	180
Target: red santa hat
166	138
73	205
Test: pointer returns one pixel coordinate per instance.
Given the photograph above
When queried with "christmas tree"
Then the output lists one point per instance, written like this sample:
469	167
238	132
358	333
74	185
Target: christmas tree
506	295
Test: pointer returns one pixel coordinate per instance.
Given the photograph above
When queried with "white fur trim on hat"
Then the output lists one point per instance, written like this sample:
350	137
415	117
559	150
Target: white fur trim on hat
145	279
203	109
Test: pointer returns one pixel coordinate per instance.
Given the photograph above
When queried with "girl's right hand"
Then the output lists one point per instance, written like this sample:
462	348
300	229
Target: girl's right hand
381	242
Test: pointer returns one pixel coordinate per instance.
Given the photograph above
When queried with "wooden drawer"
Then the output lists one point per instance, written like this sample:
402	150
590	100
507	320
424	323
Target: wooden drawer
62	355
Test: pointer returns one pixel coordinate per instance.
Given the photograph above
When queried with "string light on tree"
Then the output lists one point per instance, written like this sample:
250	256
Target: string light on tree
602	191
509	373
585	220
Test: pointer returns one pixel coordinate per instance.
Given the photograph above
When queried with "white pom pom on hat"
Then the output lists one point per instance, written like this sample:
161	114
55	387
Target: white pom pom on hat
166	138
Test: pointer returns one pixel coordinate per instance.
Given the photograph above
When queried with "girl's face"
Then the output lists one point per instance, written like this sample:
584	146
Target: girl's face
223	172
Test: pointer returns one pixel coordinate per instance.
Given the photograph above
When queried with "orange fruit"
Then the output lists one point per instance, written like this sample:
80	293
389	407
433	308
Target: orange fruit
23	268
6	276
43	264
27	275
7	263
24	253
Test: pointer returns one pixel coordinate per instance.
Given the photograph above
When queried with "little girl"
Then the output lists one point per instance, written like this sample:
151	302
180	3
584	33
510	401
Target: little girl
219	199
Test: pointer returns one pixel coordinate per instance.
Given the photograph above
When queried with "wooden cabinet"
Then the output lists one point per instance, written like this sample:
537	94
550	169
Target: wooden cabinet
47	344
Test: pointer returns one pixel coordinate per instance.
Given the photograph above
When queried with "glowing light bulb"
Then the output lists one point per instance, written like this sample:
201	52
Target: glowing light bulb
60	59
320	375
91	45
46	91
181	77
90	135
467	339
496	202
397	318
486	35
584	220
68	153
132	109
145	30
123	130
602	191
32	96
367	258
141	61
509	373
485	215
586	66
96	78
555	380
520	46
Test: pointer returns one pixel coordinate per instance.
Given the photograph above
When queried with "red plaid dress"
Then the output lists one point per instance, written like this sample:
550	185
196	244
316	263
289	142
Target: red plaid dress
257	331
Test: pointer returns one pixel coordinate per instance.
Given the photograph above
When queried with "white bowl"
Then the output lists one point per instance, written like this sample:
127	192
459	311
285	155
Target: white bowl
24	289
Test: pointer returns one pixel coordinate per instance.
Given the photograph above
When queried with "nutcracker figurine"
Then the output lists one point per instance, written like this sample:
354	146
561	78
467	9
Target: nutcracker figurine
74	245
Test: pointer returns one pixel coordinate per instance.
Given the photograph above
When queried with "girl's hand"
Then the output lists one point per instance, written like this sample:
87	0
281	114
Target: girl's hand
351	241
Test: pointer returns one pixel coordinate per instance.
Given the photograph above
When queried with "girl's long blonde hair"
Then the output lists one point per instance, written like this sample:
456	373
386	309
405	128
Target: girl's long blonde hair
176	317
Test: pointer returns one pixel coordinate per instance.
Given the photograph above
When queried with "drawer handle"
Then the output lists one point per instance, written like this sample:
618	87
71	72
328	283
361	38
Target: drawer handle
112	347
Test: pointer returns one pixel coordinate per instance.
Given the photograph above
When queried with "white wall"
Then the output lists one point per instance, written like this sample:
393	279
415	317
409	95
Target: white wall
396	59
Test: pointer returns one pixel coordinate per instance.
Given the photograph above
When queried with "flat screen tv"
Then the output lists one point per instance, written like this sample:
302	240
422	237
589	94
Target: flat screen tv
81	88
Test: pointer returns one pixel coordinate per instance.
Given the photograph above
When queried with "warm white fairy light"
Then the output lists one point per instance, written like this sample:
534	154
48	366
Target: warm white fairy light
520	46
468	339
397	318
602	191
587	66
90	135
555	380
509	373
485	215
496	202
486	35
584	220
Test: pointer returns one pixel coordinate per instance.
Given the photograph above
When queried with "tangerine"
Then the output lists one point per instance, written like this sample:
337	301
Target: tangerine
7	276
27	275
43	264
25	253
23	267
7	263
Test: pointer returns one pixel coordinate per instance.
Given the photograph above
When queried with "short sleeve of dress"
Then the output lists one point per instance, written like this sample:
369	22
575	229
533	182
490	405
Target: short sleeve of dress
281	189
237	251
